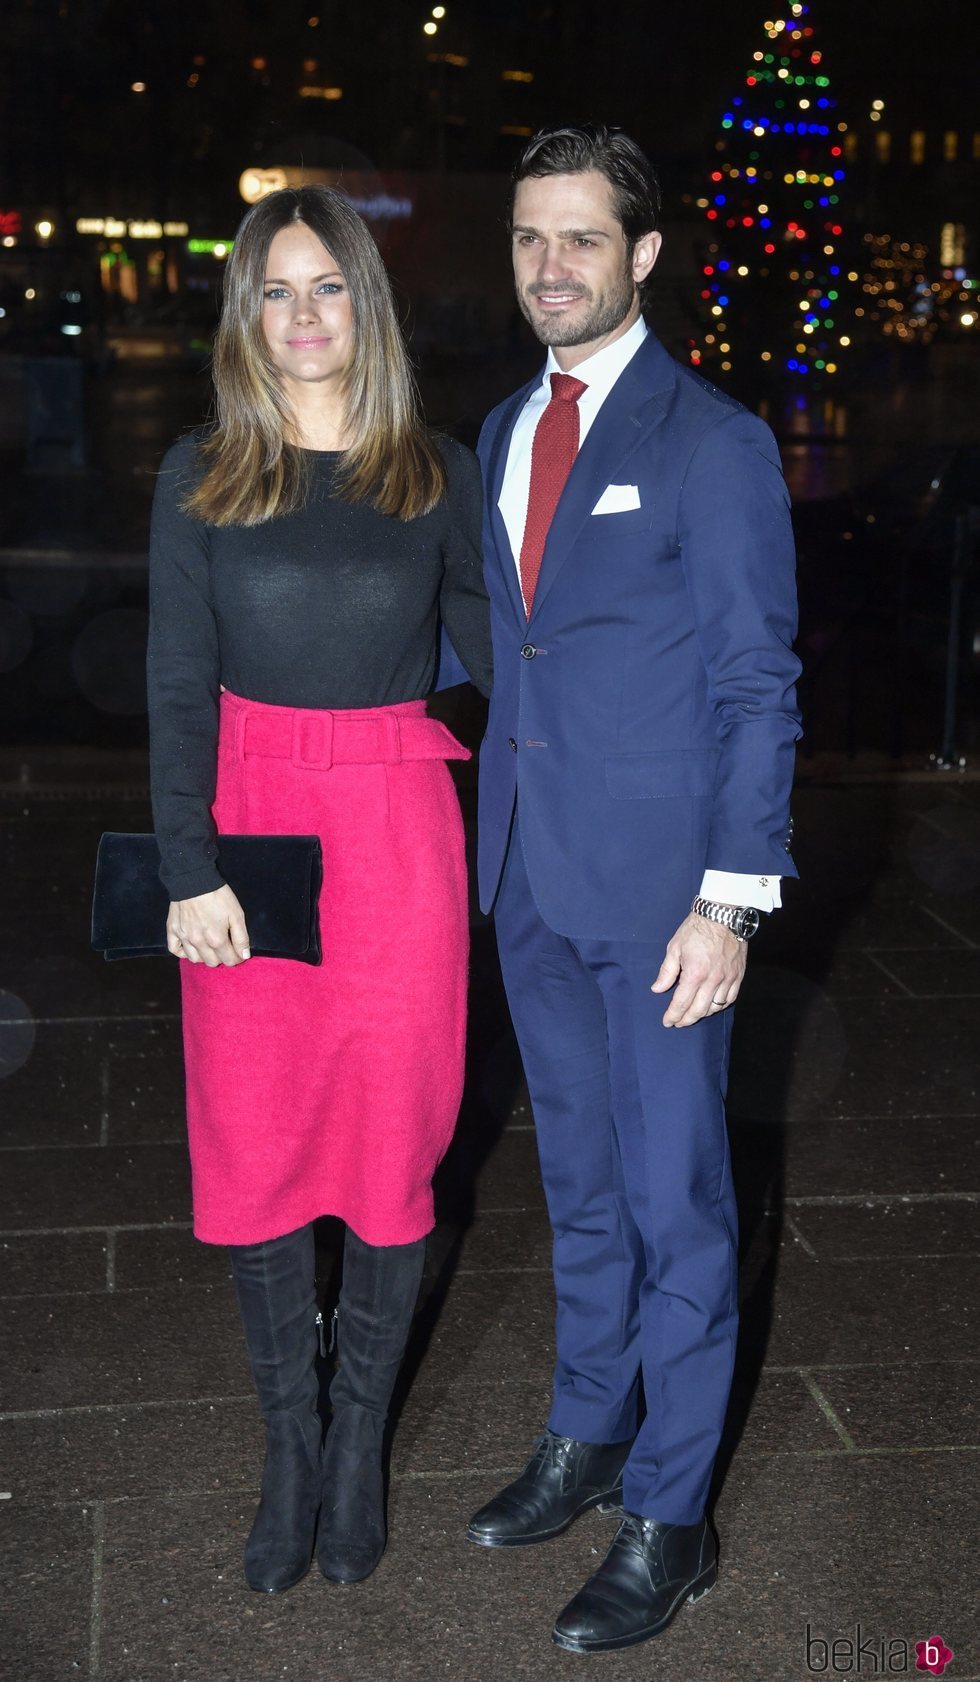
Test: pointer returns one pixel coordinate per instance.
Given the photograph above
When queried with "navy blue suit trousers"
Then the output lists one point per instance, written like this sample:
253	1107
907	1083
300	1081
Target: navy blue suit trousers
634	1159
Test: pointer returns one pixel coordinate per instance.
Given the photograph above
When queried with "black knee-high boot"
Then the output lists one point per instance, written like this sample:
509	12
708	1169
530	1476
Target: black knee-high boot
378	1294
276	1295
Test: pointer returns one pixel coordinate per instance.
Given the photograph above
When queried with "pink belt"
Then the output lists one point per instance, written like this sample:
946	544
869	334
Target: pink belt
315	740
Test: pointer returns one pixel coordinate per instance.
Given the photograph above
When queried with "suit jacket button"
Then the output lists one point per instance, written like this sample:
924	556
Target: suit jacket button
512	744
528	651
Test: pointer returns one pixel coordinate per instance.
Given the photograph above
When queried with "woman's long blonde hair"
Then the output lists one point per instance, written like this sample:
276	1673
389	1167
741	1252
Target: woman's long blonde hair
252	471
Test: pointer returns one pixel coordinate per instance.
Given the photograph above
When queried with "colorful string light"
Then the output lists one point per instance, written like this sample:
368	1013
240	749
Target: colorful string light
772	206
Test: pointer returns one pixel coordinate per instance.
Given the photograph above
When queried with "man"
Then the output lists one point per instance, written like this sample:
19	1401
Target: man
638	758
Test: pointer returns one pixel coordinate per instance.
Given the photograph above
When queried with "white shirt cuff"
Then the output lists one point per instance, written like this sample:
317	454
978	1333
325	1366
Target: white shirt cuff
731	889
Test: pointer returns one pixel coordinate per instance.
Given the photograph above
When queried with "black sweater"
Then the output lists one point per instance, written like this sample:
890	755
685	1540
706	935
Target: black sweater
336	606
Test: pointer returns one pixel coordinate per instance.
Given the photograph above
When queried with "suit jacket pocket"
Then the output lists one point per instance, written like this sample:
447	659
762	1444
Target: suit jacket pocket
624	522
678	773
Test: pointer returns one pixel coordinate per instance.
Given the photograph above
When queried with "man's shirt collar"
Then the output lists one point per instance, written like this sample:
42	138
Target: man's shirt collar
601	370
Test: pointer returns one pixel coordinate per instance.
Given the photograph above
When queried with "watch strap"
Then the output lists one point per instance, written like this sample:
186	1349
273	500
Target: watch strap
740	920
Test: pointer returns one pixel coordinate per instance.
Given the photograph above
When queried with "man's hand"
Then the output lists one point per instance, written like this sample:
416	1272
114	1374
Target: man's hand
709	962
209	929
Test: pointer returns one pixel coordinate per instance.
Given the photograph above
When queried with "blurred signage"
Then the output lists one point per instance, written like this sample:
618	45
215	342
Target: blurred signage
373	205
255	184
209	247
113	227
11	224
379	207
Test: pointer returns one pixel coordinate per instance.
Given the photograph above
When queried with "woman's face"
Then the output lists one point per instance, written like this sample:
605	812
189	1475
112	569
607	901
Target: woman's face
306	311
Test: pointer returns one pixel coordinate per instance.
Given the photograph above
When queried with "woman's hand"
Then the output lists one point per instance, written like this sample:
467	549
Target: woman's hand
209	929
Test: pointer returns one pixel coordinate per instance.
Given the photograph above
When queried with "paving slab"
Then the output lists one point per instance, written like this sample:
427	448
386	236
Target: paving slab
923	1402
861	1156
113	1451
888	918
53	984
843	974
47	1562
505	1243
882	1310
959	913
797	1054
493	1323
116	1186
165	1259
96	1082
834	1542
157	1345
42	1266
894	1229
940	973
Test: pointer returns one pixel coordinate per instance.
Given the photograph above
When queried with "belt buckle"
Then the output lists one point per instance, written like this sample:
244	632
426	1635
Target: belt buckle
305	755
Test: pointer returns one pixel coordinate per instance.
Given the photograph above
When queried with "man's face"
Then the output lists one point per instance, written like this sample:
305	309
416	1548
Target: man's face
576	283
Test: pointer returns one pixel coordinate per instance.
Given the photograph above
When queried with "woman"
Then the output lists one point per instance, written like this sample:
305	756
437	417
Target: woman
303	552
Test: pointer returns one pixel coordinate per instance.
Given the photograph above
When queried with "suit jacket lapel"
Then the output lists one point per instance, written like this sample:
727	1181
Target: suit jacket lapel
495	469
637	403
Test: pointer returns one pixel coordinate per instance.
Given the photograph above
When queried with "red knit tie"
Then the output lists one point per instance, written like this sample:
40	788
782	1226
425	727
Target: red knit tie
552	454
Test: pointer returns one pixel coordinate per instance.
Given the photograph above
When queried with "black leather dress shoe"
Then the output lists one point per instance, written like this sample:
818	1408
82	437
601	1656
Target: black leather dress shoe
562	1478
648	1573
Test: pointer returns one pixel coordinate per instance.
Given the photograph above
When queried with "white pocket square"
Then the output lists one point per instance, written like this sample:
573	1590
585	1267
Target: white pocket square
617	499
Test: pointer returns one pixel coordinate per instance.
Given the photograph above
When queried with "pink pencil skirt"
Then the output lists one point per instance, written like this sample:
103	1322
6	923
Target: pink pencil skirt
334	1090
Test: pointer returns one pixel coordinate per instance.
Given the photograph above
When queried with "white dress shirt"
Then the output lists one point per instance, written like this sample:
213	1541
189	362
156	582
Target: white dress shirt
600	373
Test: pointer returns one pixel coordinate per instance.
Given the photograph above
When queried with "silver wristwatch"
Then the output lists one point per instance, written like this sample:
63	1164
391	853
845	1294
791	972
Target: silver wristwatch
742	920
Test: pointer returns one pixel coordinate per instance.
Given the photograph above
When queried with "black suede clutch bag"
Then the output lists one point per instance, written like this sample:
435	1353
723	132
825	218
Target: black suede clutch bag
276	879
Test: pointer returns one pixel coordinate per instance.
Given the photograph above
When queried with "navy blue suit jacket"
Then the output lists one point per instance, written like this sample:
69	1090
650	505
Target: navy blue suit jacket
644	718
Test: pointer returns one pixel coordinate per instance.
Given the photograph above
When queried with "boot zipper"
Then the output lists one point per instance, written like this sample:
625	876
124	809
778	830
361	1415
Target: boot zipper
333	1328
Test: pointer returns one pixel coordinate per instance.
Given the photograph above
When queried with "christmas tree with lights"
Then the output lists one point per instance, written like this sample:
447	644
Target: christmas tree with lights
775	289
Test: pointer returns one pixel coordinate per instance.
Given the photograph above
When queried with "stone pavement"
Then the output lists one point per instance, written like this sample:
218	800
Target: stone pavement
129	1438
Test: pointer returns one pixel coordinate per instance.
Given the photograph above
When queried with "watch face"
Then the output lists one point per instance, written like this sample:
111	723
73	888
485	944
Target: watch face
748	922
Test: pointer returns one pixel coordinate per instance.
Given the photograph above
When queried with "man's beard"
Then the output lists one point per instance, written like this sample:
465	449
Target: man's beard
607	313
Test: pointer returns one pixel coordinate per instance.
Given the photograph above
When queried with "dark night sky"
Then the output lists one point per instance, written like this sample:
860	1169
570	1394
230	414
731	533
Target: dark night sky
664	71
690	56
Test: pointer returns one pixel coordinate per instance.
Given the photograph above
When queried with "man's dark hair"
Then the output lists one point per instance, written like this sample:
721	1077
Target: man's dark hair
585	146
